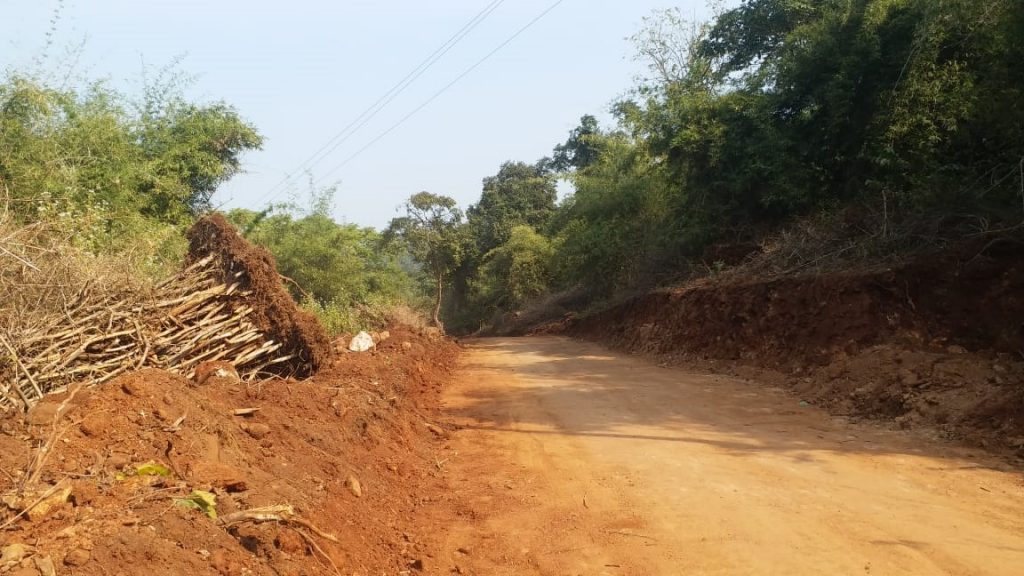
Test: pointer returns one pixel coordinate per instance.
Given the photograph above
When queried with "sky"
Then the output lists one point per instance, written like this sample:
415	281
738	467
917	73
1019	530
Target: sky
302	71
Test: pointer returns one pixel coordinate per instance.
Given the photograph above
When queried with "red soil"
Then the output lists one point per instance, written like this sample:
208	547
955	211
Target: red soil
359	420
938	343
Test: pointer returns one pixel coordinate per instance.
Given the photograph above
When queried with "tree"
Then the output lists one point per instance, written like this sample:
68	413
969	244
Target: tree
518	270
670	46
518	194
113	175
579	151
193	150
431	230
83	151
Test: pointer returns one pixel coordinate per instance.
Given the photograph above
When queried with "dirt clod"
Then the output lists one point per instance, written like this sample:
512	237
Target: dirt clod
95	424
77	557
256	430
42	415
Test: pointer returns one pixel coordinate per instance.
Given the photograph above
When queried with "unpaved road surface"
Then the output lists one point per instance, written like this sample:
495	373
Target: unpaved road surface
573	460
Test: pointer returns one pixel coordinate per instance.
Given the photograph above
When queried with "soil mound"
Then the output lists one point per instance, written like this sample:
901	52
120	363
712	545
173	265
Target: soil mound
319	476
937	342
274	311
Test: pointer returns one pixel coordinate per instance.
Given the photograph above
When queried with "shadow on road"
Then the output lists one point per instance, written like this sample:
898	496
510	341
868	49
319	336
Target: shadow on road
558	386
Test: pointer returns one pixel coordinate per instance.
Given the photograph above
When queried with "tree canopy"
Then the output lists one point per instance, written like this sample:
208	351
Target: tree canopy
431	231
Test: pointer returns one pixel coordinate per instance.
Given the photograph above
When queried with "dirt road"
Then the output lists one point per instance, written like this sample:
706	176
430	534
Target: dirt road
574	460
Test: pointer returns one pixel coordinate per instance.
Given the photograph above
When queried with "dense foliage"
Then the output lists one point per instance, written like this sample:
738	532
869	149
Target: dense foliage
344	273
891	119
119	174
122	177
431	231
888	111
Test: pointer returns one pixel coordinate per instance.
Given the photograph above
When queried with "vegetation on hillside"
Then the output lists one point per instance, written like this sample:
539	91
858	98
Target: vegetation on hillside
112	173
899	123
889	124
347	274
108	181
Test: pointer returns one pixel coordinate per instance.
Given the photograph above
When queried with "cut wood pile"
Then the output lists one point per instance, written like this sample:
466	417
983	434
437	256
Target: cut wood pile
227	304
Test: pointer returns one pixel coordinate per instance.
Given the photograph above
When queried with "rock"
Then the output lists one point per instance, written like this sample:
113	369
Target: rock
13	553
94	425
256	430
45	565
437	430
384	336
361	342
118	461
24	571
58	495
167	414
956	350
210	474
406	345
216	369
77	557
999	369
352	483
417	565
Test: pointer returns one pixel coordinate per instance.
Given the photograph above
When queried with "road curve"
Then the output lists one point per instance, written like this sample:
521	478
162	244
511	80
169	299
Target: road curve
569	459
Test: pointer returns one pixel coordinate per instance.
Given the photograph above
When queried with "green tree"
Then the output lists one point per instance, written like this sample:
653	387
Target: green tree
519	193
518	270
432	231
619	223
163	163
578	151
117	175
191	151
330	261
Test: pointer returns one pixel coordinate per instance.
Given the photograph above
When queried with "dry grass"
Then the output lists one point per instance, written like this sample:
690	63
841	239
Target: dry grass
403	315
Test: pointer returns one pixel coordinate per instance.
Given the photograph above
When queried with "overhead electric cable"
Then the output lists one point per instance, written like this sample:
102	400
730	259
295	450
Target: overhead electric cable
441	91
369	113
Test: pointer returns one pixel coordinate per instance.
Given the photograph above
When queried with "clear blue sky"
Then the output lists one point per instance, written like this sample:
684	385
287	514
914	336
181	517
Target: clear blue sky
302	70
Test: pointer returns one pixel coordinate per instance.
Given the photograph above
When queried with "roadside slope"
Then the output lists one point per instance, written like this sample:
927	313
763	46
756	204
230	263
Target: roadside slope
938	343
346	451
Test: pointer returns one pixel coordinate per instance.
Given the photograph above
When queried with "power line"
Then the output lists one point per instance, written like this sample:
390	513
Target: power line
368	114
441	91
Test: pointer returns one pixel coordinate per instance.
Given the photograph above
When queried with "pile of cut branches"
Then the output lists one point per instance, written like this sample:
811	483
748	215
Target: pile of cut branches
97	334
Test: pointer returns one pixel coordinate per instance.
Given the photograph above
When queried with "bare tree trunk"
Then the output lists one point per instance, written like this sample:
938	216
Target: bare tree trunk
437	305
